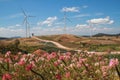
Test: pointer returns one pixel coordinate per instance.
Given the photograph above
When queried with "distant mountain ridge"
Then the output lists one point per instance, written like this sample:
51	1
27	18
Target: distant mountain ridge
16	37
103	34
2	38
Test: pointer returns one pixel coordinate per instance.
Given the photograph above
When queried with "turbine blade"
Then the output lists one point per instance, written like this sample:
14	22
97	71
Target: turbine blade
31	16
24	21
61	19
68	19
24	12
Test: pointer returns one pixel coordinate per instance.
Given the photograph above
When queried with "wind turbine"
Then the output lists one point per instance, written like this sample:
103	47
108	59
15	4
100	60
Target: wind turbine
29	31
91	25
65	18
26	23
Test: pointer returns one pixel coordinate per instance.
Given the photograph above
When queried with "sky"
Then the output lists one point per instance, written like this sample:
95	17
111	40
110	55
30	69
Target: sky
83	17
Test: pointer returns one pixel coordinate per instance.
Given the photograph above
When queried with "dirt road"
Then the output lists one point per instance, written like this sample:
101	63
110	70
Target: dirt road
55	43
67	48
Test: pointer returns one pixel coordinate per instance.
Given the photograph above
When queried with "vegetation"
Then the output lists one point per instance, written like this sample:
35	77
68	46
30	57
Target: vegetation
105	47
58	66
110	56
29	45
10	45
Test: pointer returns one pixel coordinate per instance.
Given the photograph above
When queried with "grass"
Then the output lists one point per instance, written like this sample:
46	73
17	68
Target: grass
105	47
110	56
82	43
85	43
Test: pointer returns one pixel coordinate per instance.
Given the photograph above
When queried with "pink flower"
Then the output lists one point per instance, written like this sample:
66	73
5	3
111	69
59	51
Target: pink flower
7	54
67	75
56	63
68	54
8	60
29	67
113	62
104	68
53	55
48	57
61	57
58	76
45	55
21	62
79	64
33	63
67	57
6	77
82	59
19	53
16	57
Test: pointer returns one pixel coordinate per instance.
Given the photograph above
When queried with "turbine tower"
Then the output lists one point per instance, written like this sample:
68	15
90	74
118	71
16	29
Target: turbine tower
90	26
26	23
65	18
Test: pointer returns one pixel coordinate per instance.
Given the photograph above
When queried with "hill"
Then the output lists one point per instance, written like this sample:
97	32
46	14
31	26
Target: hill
29	45
103	34
86	43
2	38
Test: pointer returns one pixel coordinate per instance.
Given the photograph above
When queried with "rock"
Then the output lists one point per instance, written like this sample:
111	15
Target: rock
39	52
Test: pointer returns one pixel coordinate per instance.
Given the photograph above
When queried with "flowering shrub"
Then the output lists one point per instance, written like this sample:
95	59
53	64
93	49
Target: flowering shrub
58	66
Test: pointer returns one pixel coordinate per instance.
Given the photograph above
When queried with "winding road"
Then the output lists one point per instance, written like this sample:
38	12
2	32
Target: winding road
67	48
55	43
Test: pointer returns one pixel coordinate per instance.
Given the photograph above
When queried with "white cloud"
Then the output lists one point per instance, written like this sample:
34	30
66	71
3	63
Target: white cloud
111	22
81	26
17	25
10	31
16	15
70	9
85	29
79	29
105	20
49	21
81	15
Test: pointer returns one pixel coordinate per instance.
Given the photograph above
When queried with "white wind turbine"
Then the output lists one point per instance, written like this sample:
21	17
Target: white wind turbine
26	23
91	29
65	18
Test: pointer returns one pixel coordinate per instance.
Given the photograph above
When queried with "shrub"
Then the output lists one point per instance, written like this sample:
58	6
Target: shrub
58	66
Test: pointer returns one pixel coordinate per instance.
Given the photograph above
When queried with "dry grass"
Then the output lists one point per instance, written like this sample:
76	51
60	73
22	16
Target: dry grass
72	38
67	40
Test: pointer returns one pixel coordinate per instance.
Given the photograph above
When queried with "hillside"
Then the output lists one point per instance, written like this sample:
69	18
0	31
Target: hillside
2	38
103	34
89	43
29	45
67	38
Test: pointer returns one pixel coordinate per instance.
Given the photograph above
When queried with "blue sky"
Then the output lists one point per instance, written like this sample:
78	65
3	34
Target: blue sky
87	17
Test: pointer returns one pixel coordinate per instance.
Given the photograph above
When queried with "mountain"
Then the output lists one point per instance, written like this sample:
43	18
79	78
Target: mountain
16	37
2	38
103	34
